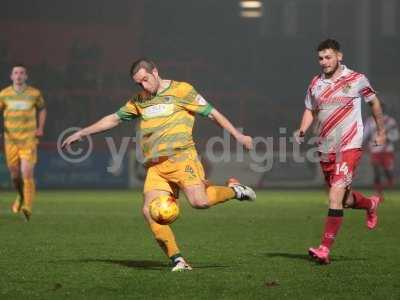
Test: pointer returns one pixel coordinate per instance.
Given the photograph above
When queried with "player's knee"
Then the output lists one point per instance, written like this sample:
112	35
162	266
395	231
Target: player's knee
349	202
146	212
335	202
199	203
27	174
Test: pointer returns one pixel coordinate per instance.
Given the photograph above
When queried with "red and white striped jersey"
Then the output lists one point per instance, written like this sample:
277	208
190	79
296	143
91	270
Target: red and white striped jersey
392	134
336	106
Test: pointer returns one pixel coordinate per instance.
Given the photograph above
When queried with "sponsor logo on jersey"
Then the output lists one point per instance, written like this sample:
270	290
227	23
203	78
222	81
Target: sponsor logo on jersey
334	101
18	105
158	110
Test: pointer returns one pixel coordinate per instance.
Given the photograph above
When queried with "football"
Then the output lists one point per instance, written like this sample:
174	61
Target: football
164	209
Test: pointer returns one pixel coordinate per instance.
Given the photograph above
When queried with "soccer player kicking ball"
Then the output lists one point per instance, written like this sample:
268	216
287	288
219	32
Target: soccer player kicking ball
166	113
21	104
334	100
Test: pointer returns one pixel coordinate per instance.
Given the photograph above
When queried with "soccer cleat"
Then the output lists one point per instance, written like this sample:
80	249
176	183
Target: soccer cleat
27	213
16	206
372	214
181	265
242	192
320	254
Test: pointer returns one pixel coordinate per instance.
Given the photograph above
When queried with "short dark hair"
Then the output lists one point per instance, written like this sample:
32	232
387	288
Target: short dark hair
142	63
19	65
329	44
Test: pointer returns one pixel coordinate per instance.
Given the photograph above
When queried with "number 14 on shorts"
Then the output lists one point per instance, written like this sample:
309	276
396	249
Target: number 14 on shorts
342	168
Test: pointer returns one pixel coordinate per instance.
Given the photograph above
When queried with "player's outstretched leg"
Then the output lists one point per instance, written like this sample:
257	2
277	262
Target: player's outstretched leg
242	192
164	236
203	196
369	204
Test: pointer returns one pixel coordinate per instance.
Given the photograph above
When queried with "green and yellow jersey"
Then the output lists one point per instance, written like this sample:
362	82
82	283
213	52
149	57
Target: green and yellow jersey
166	119
19	112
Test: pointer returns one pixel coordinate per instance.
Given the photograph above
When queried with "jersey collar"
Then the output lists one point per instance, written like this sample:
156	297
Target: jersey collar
345	71
20	92
166	89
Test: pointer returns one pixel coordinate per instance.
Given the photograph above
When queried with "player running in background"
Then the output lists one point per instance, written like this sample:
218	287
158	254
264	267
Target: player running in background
22	105
333	100
166	113
382	157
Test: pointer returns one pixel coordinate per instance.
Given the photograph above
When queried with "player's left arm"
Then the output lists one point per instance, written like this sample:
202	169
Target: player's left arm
222	121
369	94
377	113
42	115
195	103
392	133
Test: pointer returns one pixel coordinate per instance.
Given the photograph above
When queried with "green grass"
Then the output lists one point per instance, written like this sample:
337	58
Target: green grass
95	244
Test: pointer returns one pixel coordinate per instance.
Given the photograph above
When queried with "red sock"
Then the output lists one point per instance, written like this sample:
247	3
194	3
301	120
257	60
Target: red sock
332	226
361	202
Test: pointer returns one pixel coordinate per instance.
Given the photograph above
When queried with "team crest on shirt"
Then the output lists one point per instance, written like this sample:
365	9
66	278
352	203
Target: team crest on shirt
167	99
346	89
190	171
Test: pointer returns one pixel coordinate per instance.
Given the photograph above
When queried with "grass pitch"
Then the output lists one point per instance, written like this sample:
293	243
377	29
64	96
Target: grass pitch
95	244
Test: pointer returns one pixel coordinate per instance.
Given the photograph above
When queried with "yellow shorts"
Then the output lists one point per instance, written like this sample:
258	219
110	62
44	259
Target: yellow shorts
15	153
171	173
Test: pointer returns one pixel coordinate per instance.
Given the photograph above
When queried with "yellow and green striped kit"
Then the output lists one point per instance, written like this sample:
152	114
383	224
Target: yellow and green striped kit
19	112
166	119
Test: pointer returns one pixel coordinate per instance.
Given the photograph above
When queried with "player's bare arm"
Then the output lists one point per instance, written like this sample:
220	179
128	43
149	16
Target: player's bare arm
222	121
103	124
41	122
306	122
377	113
393	133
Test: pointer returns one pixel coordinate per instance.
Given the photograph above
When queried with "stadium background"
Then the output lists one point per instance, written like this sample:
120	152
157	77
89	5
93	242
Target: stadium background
255	70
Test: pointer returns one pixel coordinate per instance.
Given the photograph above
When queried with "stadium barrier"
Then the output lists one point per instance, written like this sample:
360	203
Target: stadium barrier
97	171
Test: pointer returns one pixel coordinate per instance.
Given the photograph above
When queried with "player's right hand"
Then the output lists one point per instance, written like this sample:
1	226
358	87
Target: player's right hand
246	141
77	136
299	136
